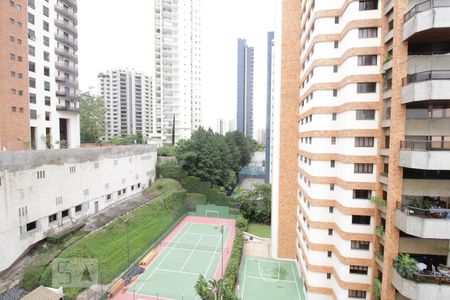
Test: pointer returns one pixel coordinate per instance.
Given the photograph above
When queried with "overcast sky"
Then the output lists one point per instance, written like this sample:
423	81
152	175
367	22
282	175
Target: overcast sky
115	34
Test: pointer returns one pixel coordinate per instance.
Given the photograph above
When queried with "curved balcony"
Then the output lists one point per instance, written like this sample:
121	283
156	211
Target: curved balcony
68	41
425	155
67	108
72	3
66	82
67	54
67	27
66	67
427	21
432	223
68	13
422	286
429	85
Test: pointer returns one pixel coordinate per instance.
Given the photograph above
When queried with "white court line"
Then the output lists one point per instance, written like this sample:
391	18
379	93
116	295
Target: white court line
296	285
245	276
188	249
212	258
226	241
192	251
205	234
170	251
264	279
179	272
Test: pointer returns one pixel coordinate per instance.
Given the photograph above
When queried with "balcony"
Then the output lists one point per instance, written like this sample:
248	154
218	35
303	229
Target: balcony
69	96
426	187
417	126
427	21
429	85
66	40
425	155
430	223
72	3
66	53
422	286
66	67
67	108
68	13
67	27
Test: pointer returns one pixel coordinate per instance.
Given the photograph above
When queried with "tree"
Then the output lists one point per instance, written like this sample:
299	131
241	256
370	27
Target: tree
92	118
245	146
255	205
213	289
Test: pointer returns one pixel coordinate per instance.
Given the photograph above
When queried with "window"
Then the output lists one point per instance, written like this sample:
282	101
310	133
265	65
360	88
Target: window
331	209
357	294
362	220
32	82
366	87
335	93
12	56
367	33
33	114
331	186
45	11
332	163
335	68
363	168
46	41
358	269
13	74
333	140
368	4
46	56
78	208
360	245
31	51
329	253
47	101
336	20
31	35
31	226
45	26
124	191
32	98
65	213
108	197
47	86
367	60
328	275
46	71
330	231
31	66
30	18
52	218
365	114
334	116
31	4
364	141
47	116
336	44
362	194
11	3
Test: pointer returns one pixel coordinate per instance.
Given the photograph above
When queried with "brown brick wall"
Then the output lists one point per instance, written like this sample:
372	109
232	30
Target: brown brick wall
14	126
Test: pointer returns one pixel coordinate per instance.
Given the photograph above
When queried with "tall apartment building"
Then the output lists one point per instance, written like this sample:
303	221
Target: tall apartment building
363	88
177	50
244	111
128	102
39	86
269	103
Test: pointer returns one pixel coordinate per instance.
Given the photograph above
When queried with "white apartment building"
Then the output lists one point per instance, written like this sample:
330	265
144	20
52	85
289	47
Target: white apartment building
128	102
35	202
177	63
53	74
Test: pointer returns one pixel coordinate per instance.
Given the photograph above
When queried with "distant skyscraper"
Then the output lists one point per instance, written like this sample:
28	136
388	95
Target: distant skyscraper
220	126
245	88
232	125
270	94
128	96
177	50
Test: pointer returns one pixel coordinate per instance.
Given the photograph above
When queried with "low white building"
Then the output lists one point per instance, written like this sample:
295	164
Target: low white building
44	192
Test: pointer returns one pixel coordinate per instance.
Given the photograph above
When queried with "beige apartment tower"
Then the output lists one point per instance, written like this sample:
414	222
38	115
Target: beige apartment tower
365	86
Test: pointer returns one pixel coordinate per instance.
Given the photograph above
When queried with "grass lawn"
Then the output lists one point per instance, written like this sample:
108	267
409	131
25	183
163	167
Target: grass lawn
260	230
145	225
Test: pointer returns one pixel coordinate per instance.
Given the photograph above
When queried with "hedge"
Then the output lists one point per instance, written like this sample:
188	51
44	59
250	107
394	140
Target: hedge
232	271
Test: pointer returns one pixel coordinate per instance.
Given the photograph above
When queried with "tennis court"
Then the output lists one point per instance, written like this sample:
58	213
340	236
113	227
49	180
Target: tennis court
194	247
265	279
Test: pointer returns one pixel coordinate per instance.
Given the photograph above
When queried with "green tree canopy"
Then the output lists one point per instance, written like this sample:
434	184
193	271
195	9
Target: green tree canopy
255	205
92	118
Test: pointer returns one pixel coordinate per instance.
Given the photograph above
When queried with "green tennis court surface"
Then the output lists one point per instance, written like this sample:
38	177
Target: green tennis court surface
196	249
267	279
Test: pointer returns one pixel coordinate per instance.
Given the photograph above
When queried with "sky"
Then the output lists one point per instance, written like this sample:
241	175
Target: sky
119	37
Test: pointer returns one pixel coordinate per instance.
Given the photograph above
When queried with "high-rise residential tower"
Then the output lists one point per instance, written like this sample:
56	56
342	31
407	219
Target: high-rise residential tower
363	88
177	50
128	102
269	104
244	110
39	86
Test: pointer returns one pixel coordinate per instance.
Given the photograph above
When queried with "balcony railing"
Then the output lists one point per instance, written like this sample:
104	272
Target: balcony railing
66	12
430	213
66	67
425	145
66	53
428	75
67	108
69	41
66	26
424	6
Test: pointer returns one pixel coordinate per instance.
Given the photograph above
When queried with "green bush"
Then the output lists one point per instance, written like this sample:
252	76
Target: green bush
167	151
170	170
194	199
405	265
214	195
232	271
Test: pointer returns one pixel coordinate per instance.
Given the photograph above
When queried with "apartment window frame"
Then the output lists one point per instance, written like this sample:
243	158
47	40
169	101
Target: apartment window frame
366	87
363	168
361	220
368	5
31	226
359	270
361	194
368	60
367	32
365	114
366	142
357	294
360	245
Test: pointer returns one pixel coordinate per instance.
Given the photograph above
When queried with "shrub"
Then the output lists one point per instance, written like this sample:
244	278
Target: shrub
405	265
170	170
377	288
236	254
167	151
